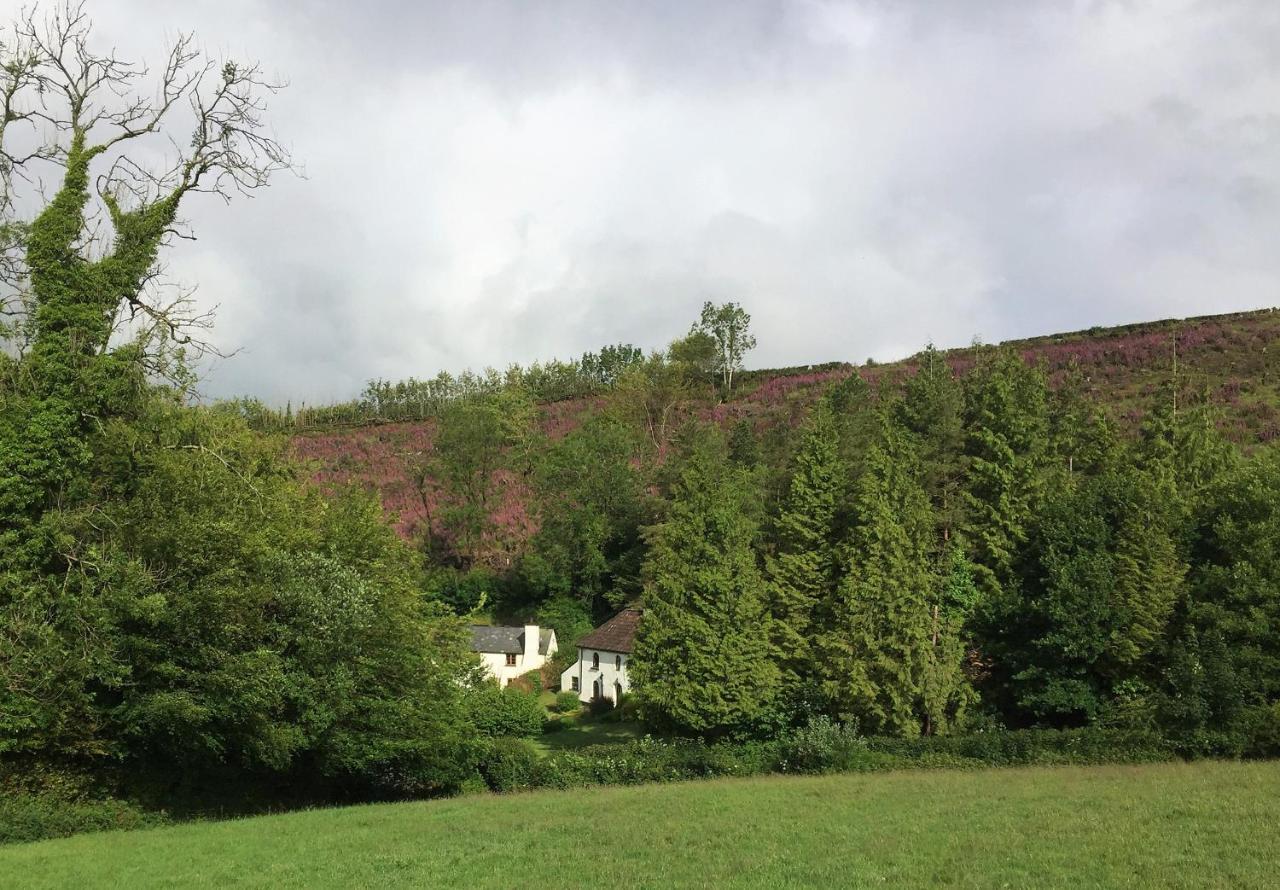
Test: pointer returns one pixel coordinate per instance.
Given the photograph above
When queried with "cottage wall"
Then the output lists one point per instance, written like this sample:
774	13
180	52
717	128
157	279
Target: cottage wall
609	675
528	660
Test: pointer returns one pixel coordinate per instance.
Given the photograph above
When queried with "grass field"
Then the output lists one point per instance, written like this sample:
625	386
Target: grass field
584	731
1169	825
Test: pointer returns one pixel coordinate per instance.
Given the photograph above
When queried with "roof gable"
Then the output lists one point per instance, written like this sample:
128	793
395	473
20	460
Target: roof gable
506	640
618	634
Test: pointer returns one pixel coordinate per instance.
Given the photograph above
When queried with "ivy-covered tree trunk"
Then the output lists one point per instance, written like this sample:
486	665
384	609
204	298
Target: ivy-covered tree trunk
70	442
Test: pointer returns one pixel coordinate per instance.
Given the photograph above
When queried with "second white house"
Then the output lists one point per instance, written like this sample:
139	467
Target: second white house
603	656
509	652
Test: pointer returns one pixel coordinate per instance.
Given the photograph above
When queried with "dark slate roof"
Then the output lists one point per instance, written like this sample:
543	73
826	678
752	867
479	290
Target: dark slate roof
618	634
486	638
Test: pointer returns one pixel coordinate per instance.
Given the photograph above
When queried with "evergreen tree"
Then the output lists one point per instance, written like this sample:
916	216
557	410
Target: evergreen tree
876	647
1103	575
946	692
802	571
1082	437
744	447
857	423
1007	423
932	410
703	659
1223	694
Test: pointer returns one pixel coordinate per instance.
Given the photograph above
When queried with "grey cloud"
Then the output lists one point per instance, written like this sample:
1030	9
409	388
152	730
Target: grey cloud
492	182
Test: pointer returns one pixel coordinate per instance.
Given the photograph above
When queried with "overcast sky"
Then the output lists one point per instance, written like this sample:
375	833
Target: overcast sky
492	182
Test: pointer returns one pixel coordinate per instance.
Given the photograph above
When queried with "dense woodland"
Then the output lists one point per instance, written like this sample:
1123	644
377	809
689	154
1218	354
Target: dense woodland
963	546
189	604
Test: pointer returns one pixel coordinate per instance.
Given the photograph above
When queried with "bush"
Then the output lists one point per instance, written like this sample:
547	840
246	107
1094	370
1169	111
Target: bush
567	702
822	746
1261	730
509	764
600	705
825	746
626	709
569	618
529	683
32	817
653	760
1091	745
504	712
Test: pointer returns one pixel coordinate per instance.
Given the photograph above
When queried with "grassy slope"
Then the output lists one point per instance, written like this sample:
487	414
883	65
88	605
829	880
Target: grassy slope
1235	359
1170	825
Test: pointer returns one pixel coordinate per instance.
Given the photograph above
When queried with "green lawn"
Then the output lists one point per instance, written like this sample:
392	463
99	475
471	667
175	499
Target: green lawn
583	730
1168	825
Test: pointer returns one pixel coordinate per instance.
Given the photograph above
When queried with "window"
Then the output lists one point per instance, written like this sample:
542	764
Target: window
573	681
595	661
617	662
511	659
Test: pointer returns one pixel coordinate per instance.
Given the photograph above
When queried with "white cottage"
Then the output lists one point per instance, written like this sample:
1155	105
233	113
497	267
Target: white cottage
509	652
603	656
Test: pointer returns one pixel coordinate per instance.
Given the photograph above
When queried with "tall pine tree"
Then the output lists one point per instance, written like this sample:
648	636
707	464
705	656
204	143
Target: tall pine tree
1007	422
932	410
802	571
703	654
876	646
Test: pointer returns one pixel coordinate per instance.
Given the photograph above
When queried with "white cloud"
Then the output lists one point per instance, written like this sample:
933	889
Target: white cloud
498	182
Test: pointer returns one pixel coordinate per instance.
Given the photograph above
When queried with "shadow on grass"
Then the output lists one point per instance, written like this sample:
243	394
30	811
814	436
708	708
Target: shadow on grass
582	729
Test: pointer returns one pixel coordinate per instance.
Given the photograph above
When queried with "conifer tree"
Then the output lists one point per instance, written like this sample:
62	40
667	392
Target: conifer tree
1007	421
1103	575
802	571
857	424
932	410
946	692
1082	437
744	447
876	646
703	654
1225	673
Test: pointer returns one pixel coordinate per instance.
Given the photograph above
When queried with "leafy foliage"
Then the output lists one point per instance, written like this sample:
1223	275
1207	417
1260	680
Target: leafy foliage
703	653
506	711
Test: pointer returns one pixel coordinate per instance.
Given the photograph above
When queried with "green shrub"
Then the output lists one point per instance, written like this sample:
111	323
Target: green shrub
1090	745
529	684
626	709
570	620
32	817
821	746
1260	728
504	712
600	705
653	760
474	784
825	746
567	702
509	764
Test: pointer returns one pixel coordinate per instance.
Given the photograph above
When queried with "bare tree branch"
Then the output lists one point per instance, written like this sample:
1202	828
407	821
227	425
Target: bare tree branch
75	104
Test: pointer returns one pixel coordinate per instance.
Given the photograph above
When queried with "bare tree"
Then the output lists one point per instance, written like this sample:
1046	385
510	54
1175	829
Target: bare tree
84	266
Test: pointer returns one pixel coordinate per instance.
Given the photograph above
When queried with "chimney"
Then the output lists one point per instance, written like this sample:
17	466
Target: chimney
530	646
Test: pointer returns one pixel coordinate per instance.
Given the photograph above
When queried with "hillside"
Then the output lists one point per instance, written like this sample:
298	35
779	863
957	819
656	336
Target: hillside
1233	359
1171	825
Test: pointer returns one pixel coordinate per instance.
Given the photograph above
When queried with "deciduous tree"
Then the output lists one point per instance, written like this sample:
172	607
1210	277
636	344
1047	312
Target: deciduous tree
729	327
